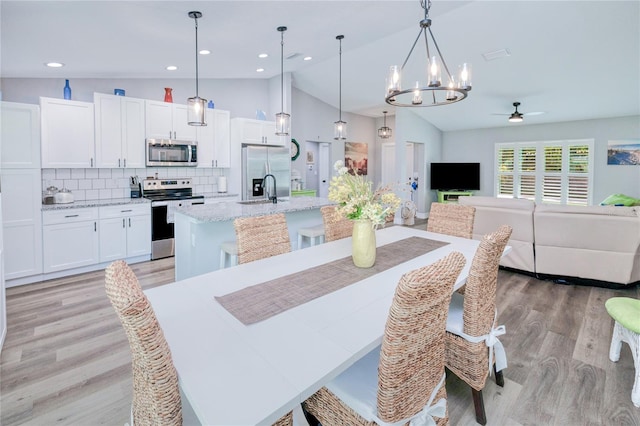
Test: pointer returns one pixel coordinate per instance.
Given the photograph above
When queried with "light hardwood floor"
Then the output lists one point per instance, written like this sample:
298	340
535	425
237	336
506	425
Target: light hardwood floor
66	359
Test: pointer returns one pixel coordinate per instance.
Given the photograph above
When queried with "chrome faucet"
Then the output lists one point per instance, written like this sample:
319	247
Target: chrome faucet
274	197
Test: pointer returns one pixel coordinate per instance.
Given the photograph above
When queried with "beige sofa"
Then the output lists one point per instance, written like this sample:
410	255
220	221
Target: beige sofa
596	242
492	212
590	243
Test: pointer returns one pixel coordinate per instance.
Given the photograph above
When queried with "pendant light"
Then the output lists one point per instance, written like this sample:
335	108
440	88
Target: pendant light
384	132
283	120
340	127
196	105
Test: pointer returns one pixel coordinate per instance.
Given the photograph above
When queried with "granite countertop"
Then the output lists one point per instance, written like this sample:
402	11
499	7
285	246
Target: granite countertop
95	203
224	211
217	194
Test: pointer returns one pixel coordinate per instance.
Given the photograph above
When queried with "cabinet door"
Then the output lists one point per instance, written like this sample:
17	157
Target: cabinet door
138	235
70	245
222	139
133	122
22	222
67	133
158	120
206	140
108	125
113	239
181	129
20	135
252	132
269	134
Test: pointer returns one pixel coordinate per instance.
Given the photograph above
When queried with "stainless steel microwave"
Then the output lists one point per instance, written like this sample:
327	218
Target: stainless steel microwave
171	152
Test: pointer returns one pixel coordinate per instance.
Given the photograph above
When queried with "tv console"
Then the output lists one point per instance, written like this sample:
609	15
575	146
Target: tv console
452	196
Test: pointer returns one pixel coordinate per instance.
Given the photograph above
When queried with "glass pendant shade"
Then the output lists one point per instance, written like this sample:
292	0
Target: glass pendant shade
384	132
340	130
195	111
283	124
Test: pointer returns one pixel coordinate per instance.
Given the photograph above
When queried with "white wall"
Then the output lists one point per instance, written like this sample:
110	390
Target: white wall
478	146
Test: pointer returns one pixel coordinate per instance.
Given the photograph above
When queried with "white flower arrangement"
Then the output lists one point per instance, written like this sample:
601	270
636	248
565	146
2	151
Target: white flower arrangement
357	200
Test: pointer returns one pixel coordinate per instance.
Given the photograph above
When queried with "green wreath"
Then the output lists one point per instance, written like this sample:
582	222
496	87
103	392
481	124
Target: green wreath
295	150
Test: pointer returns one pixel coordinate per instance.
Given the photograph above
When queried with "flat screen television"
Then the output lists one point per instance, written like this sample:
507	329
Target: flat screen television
455	176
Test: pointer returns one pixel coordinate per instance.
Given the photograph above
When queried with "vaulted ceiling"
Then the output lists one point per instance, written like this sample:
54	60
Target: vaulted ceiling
572	60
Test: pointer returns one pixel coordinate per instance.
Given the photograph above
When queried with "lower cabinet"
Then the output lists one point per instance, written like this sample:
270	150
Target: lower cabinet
125	231
70	238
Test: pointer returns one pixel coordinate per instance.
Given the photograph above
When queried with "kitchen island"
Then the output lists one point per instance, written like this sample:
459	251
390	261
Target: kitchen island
201	229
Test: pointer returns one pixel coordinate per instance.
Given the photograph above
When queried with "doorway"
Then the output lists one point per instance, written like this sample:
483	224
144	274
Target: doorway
388	174
318	167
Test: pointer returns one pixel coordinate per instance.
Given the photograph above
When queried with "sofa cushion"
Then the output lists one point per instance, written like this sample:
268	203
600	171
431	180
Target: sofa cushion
620	200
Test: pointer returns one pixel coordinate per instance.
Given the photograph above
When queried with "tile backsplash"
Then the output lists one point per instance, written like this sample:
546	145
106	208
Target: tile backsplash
101	184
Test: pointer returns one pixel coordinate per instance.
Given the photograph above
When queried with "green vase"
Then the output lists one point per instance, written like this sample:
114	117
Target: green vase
363	248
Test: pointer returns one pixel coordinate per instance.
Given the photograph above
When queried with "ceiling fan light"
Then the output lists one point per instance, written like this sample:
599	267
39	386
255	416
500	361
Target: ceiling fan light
516	118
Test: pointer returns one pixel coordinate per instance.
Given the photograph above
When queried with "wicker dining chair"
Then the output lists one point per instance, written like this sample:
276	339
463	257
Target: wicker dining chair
404	378
259	237
472	346
336	226
156	395
451	219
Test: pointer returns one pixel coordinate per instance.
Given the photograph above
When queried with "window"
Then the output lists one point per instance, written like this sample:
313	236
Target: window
554	172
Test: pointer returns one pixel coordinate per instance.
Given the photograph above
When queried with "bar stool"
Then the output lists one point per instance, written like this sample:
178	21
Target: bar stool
315	234
228	249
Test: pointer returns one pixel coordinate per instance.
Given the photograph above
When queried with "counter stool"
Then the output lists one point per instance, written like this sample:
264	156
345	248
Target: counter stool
315	234
626	313
228	249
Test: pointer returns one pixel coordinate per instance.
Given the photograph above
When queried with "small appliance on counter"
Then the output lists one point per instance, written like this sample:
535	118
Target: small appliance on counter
64	196
48	195
134	184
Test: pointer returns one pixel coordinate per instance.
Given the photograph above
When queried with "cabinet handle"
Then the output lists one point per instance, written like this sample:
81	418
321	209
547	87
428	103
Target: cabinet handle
125	163
124	211
169	134
72	215
95	227
123	222
91	161
129	222
118	162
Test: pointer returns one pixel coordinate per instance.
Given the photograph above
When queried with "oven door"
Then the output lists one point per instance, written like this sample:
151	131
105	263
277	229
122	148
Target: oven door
162	228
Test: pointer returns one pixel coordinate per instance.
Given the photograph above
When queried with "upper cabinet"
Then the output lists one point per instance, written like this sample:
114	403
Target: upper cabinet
256	132
67	134
120	131
214	143
168	121
20	136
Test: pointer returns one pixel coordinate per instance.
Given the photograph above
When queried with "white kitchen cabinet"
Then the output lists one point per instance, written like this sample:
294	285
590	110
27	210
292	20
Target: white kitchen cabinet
256	132
125	231
22	222
120	131
214	142
164	120
20	138
3	296
70	238
67	134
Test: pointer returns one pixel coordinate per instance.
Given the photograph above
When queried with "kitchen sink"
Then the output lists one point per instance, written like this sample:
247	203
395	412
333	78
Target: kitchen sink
255	202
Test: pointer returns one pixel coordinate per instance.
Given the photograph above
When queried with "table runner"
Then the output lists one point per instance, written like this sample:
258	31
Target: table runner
262	301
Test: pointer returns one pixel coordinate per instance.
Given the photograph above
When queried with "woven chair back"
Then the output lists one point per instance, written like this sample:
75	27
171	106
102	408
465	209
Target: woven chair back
412	353
260	237
156	396
480	289
336	226
451	219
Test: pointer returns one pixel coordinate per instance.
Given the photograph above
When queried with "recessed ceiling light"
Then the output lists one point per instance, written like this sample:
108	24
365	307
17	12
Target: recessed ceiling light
205	52
308	58
496	54
54	64
263	55
260	70
172	68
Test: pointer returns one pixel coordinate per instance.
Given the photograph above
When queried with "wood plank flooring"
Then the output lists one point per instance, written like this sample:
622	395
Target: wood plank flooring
66	359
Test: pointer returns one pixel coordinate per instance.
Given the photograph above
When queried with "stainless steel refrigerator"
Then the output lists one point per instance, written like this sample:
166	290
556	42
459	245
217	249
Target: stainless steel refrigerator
258	161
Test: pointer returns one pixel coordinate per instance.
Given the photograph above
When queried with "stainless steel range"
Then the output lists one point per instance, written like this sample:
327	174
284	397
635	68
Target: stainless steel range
166	195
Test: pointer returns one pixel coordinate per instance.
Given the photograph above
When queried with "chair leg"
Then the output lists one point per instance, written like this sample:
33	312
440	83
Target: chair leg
499	377
616	342
478	403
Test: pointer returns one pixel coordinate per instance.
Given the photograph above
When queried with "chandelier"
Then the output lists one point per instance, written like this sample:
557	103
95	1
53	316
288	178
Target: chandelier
282	118
435	90
196	104
340	127
384	132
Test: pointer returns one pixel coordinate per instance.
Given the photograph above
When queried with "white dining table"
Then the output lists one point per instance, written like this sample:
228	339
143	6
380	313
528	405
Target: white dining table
236	374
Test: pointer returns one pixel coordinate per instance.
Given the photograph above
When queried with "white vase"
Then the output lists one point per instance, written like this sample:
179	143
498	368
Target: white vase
363	245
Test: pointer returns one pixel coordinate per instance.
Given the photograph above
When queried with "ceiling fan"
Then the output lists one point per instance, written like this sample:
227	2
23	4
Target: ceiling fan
517	116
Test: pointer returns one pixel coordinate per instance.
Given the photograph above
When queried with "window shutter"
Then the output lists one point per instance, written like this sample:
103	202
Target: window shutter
578	179
527	168
506	157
